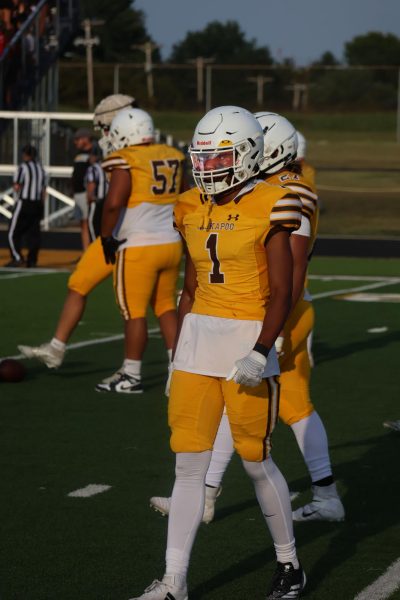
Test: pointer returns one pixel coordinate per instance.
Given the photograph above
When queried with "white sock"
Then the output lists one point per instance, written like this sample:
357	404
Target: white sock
273	497
57	344
132	367
186	509
287	553
313	443
221	454
169	352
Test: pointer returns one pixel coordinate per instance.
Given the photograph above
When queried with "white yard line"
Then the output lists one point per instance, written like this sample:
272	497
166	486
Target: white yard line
112	338
90	490
352	278
384	586
18	273
361	288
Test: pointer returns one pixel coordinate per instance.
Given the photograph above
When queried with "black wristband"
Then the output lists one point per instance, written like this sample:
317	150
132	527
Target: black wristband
264	350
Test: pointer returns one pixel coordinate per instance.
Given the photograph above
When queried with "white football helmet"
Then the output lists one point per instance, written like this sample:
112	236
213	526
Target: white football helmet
130	127
108	108
280	141
301	146
104	113
226	148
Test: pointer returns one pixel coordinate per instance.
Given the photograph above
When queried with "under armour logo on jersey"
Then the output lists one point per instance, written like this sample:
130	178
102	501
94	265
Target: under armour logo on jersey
233	217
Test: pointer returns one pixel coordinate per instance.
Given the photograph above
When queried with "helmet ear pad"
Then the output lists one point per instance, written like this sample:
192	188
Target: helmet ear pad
280	142
226	129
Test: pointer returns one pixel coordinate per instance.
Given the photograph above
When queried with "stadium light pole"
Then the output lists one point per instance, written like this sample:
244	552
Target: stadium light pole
300	94
208	87
260	80
200	63
88	41
148	48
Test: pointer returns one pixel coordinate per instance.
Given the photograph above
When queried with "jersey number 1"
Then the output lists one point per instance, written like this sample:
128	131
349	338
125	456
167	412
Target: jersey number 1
215	275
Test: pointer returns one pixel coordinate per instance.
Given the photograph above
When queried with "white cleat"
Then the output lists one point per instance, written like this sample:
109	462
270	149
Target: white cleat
325	506
162	504
46	353
115	376
212	494
121	383
172	587
395	425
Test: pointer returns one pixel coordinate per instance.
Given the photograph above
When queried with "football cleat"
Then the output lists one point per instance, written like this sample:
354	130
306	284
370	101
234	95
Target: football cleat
162	504
15	264
395	425
172	587
122	383
325	506
114	376
46	353
287	582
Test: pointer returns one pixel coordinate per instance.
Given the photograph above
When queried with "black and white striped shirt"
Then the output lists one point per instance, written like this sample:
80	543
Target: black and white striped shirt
31	178
95	174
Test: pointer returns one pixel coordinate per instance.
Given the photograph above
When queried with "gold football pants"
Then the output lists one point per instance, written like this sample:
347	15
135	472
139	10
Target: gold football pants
196	404
90	270
295	403
146	275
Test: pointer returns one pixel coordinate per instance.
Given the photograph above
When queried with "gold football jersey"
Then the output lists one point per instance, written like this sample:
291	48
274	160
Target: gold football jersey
156	172
308	196
227	246
308	173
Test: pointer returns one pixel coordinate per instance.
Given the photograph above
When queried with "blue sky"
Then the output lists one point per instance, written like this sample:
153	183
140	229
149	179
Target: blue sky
299	29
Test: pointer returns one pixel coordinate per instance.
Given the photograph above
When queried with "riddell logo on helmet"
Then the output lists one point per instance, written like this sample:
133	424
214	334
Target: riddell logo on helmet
201	143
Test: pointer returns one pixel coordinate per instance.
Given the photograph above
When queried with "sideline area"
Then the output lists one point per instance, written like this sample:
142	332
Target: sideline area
52	259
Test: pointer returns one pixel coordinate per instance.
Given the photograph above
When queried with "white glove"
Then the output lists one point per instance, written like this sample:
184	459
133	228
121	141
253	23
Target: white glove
249	370
168	384
279	345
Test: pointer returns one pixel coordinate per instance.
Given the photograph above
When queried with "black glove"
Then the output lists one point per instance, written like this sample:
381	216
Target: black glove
110	246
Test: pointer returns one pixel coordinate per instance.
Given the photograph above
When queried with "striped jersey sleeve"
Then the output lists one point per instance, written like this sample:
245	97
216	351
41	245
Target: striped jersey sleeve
286	212
114	162
19	174
308	198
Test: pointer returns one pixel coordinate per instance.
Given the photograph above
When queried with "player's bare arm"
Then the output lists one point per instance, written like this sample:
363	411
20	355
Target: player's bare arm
116	200
299	245
280	272
188	293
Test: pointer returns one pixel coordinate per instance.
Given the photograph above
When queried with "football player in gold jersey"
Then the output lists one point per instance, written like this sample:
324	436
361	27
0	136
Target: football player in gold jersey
307	170
92	269
138	237
235	300
281	167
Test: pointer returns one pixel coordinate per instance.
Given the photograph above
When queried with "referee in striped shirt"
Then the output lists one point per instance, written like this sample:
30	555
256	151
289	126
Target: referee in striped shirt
96	189
30	185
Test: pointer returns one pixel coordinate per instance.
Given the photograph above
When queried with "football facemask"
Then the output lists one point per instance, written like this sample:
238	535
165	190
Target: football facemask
226	147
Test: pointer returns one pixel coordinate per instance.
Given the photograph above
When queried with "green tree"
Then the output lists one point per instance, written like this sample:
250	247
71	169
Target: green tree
373	48
327	59
225	42
124	26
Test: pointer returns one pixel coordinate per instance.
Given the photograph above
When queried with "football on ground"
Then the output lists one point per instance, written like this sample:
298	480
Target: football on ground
11	370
